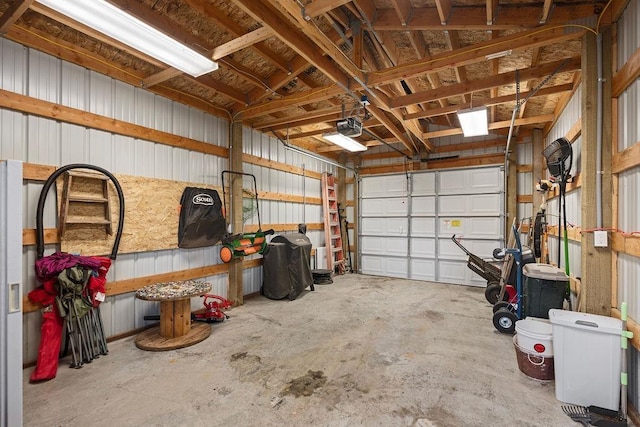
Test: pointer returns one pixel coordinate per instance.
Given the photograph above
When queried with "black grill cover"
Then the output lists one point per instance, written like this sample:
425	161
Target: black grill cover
201	221
286	266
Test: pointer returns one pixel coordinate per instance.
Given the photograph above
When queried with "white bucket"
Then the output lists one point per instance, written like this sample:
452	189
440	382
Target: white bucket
535	336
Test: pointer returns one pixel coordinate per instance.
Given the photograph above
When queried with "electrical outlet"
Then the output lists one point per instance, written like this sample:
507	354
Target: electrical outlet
600	239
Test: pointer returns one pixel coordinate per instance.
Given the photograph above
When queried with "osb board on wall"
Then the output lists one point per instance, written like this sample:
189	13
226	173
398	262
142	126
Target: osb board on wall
150	219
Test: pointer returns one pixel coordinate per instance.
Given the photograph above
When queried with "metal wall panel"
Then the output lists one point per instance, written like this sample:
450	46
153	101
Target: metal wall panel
44	76
628	41
13	67
628	111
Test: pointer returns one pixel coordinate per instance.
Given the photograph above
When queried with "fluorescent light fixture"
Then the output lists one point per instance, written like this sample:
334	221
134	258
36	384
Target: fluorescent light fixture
117	24
498	54
474	121
344	141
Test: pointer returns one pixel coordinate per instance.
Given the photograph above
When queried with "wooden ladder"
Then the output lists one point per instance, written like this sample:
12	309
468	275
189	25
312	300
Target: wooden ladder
82	191
332	232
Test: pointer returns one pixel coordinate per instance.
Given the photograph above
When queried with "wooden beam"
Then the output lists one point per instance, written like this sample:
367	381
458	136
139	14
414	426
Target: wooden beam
470	146
513	16
403	9
546	11
542	36
627	159
628	74
477	102
284	167
570	64
626	244
25	104
162	76
236	287
297	40
13	13
239	43
481	160
382	117
308	97
493	126
492	11
595	262
444	10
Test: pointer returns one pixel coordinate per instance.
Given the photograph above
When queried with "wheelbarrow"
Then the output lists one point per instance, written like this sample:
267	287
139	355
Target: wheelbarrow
489	272
242	244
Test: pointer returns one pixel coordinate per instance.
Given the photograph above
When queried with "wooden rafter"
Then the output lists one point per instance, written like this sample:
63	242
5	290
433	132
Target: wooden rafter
13	13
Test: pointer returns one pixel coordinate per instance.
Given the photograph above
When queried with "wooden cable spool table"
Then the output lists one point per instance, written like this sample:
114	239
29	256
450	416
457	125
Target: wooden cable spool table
175	330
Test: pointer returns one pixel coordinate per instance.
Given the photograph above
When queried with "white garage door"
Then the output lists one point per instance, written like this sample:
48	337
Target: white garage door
407	222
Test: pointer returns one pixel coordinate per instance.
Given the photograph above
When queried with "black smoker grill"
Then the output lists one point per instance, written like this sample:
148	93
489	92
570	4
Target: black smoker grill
286	266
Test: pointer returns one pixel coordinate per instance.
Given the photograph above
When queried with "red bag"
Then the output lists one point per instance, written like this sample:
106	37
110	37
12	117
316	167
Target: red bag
50	332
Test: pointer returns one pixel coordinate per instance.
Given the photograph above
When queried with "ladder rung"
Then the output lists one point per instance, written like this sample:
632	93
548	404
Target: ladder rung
336	250
90	175
88	198
82	220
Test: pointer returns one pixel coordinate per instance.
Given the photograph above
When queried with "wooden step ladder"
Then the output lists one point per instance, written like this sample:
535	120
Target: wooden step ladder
85	200
332	231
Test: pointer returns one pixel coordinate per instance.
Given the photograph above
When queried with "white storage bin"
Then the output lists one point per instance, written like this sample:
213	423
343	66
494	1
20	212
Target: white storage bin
587	358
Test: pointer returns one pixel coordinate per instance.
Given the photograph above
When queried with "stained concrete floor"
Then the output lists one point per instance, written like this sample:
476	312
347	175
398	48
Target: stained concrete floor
363	351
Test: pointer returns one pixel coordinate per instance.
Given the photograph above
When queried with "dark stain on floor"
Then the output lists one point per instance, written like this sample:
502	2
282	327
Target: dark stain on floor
306	384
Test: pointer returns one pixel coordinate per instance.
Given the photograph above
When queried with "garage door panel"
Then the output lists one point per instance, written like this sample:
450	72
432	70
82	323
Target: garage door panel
423	248
384	186
465	202
452	272
385	226
385	207
466	181
471	228
423	269
392	246
470	205
384	266
481	248
423	227
423	183
423	205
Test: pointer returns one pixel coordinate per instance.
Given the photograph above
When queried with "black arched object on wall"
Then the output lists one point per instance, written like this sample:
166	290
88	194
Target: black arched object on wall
43	197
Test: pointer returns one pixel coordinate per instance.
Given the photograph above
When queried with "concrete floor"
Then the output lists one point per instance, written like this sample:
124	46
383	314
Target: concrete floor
363	351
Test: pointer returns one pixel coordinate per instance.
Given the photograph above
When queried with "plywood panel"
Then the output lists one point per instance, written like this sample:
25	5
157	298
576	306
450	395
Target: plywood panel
151	218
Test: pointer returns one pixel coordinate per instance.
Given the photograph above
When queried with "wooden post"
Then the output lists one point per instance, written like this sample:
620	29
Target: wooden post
539	171
236	289
356	214
512	188
595	262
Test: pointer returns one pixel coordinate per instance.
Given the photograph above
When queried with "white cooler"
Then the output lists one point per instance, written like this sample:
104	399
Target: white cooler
587	357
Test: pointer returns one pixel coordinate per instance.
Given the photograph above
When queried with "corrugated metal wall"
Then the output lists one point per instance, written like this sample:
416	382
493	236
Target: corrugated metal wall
569	117
45	141
628	266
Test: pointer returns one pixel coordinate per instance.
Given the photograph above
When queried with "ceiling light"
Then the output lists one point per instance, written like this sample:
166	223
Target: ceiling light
498	54
344	141
119	25
474	121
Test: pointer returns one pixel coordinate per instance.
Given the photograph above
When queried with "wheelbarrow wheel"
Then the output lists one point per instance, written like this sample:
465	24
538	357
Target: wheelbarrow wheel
492	293
226	254
505	320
